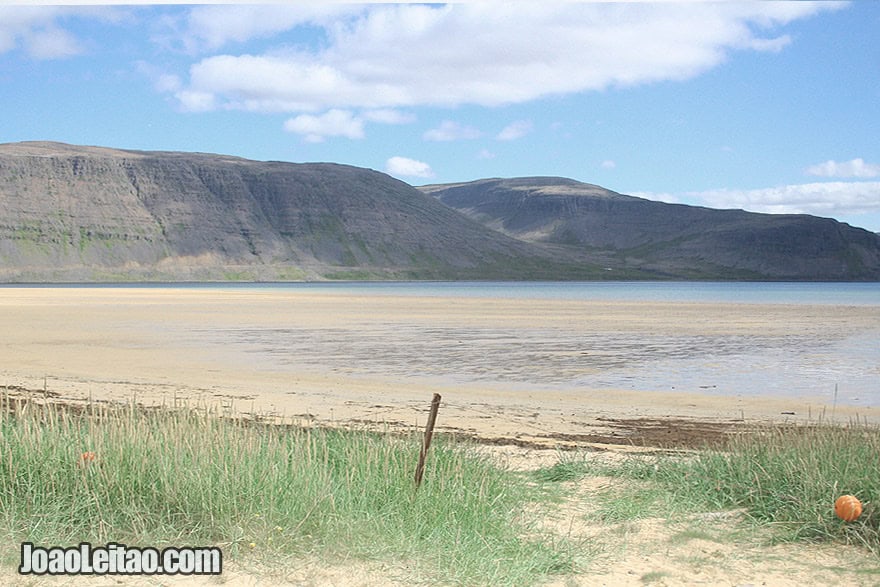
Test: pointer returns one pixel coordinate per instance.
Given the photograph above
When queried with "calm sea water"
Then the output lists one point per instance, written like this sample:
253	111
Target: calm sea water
834	293
666	291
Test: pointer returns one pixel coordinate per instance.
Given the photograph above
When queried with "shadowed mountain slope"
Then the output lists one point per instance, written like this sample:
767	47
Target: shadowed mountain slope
668	238
87	213
70	213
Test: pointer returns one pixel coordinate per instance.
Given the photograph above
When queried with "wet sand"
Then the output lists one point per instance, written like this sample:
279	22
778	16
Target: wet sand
508	369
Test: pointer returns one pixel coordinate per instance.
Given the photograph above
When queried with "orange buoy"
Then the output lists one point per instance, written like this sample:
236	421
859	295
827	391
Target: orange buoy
848	508
87	457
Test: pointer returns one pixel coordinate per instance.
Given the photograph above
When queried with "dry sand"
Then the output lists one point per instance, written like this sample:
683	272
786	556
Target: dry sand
346	359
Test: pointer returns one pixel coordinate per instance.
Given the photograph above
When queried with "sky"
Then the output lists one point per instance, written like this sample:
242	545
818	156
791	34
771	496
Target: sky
765	106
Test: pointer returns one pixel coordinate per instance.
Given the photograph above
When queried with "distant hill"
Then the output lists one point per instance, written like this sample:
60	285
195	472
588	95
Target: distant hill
673	239
70	213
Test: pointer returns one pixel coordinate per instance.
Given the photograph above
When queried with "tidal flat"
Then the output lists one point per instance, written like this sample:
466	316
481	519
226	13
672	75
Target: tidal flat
534	369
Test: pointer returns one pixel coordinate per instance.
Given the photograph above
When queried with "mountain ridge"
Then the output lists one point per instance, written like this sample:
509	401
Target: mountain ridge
72	213
92	213
666	237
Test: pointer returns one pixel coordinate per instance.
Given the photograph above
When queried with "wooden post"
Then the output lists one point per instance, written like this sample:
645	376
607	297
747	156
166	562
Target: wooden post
429	433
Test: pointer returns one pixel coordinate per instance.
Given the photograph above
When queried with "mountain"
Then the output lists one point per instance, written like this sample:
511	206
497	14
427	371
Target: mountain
669	239
70	213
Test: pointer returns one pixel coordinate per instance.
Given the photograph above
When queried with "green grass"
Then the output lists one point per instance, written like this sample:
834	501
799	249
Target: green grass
354	275
785	479
267	492
239	275
791	478
289	273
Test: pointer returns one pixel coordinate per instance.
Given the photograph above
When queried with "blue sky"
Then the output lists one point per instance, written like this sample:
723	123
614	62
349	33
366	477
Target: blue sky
766	106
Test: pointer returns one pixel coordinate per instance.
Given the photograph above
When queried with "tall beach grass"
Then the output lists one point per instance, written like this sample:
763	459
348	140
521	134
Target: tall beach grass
791	477
188	477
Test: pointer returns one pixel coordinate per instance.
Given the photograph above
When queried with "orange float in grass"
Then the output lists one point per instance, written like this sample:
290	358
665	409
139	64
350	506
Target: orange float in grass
87	457
848	508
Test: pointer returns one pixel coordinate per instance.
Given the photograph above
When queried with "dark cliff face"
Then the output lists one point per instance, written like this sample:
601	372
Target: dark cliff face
72	213
77	212
668	238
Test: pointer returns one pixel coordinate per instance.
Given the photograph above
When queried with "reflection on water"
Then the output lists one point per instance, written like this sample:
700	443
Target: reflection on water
789	365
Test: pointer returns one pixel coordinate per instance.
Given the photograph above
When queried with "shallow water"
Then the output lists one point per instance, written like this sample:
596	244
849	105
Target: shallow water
731	339
778	366
829	293
830	363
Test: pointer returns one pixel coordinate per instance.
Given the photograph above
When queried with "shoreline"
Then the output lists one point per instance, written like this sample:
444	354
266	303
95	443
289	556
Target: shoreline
612	430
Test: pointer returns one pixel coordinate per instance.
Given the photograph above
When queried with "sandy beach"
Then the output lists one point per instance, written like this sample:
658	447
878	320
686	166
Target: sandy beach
508	369
512	372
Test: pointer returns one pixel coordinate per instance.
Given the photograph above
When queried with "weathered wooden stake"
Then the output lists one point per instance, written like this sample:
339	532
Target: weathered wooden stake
429	433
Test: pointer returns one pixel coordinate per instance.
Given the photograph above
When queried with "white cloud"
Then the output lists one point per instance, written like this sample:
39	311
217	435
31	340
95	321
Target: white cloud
405	167
821	199
342	123
34	29
389	116
51	43
334	123
854	168
770	45
608	164
831	199
515	130
485	53
485	154
452	131
196	101
212	27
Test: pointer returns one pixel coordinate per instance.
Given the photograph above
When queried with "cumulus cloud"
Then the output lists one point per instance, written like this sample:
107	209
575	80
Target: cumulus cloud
820	199
485	53
405	167
515	130
854	168
452	131
334	123
35	30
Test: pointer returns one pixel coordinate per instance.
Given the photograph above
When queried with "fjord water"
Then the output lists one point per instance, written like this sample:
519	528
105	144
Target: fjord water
759	292
825	293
